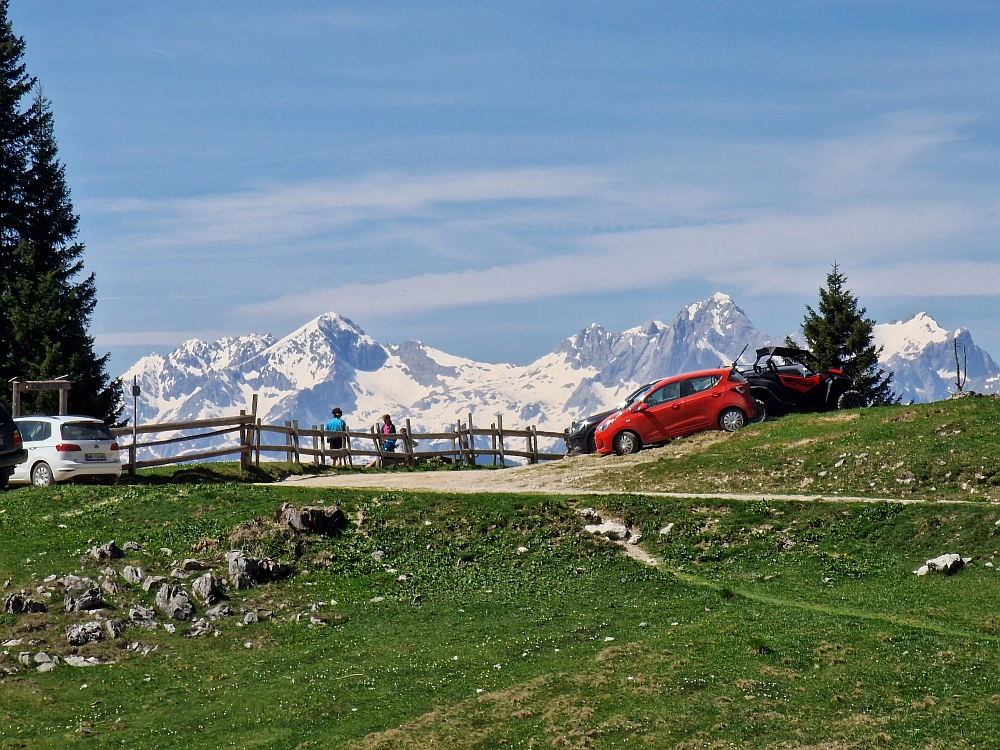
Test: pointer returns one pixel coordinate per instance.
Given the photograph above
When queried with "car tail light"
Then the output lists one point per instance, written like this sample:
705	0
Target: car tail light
740	388
17	439
68	447
114	446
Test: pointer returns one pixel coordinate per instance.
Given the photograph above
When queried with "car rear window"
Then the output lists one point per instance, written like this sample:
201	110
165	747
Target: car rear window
735	377
33	431
4	415
85	431
702	383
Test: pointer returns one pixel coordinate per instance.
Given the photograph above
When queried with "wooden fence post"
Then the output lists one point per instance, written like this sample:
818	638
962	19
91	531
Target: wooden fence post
288	442
534	440
295	440
347	445
244	458
408	444
378	445
256	460
500	445
472	443
454	456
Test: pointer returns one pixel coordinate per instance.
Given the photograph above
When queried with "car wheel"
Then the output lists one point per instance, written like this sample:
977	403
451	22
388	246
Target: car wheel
761	411
850	400
110	481
41	475
732	419
3	480
626	443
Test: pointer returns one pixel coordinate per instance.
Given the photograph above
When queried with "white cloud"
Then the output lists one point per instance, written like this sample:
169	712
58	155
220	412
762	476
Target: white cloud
279	214
772	224
779	253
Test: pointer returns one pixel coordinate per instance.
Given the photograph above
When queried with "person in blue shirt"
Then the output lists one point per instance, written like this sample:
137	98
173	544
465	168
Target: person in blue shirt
337	424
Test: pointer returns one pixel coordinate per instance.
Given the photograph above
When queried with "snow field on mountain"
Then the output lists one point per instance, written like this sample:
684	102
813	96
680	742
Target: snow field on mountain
330	361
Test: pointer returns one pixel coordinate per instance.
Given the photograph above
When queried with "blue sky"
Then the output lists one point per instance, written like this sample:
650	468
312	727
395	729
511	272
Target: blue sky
491	177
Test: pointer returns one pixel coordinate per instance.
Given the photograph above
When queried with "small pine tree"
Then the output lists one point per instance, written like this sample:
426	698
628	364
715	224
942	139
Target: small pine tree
841	337
46	308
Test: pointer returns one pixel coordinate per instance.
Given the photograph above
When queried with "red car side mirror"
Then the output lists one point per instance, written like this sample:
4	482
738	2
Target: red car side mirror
641	406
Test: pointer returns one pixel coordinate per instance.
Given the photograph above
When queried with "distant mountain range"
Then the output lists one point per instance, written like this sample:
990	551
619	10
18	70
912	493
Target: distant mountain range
331	362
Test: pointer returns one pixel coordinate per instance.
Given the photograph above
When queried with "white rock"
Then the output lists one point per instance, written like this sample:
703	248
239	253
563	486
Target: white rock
922	570
947	564
666	529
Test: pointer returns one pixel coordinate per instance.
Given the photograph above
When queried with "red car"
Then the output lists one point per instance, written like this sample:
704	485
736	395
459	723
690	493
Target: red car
681	405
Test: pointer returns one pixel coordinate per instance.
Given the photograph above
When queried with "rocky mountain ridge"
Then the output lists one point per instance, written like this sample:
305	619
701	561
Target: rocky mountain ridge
330	361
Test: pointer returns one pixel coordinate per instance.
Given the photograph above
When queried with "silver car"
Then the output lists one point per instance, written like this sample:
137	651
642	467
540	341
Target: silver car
65	448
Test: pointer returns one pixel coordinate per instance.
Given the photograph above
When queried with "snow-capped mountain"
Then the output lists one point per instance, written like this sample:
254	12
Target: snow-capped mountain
331	362
922	355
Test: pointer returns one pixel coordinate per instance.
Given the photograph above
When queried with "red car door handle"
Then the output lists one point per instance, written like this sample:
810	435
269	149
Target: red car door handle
676	406
716	395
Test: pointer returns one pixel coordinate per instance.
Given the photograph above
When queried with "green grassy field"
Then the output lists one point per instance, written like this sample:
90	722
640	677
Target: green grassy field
765	625
943	450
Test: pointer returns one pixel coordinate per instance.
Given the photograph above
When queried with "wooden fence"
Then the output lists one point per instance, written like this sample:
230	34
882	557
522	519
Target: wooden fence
312	444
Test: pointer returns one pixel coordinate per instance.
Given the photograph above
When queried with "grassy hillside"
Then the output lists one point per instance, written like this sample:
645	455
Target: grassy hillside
765	625
944	450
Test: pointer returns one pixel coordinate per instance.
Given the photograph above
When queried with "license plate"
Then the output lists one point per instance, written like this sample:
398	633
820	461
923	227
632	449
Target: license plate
94	456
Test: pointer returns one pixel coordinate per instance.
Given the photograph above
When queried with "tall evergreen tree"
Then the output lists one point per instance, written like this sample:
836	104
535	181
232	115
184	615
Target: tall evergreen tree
841	337
47	308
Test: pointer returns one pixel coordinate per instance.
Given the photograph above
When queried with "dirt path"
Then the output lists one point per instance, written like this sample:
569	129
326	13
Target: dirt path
569	476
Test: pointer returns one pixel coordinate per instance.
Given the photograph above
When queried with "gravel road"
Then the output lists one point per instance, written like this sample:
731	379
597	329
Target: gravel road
576	475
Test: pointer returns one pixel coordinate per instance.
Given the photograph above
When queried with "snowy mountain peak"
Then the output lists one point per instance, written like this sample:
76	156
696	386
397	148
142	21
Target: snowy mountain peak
717	301
331	361
908	338
591	347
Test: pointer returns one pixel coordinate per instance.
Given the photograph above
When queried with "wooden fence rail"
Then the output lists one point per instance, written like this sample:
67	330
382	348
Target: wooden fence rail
313	443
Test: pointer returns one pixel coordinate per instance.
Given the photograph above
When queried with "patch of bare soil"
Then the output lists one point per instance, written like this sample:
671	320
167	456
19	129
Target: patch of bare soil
841	416
570	474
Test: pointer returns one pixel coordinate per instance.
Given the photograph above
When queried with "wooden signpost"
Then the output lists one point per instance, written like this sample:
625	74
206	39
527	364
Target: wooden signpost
61	384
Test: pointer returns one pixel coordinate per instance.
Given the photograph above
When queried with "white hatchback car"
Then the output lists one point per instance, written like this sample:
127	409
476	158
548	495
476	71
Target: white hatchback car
65	448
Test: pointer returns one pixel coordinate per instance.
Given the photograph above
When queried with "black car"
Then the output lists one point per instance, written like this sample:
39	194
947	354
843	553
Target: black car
12	450
784	379
580	435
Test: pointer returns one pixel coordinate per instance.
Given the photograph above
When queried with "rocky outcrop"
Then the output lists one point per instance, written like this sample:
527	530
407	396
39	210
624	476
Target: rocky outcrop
312	520
19	604
949	564
174	602
109	551
143	617
89	599
85	632
207	589
246	572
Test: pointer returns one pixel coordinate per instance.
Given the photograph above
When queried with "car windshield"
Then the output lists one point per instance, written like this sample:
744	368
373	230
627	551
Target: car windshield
85	431
793	366
630	399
